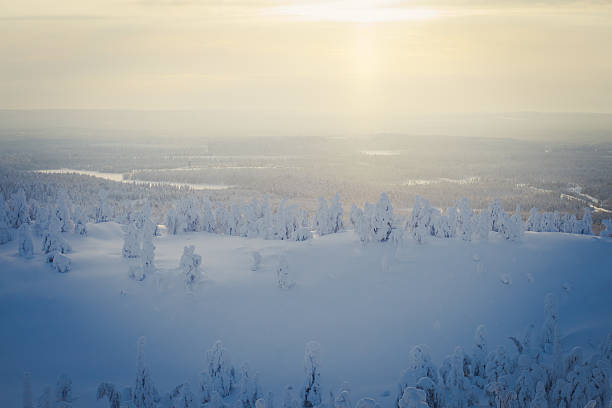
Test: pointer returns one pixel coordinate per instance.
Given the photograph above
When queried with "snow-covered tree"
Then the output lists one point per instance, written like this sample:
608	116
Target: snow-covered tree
606	230
383	218
148	249
283	280
220	372
63	211
208	216
496	215
109	391
336	223
479	356
249	387
413	398
421	219
190	266
132	242
465	220
145	394
419	366
53	242
102	212
63	391
534	221
80	221
18	209
587	222
24	242
322	219
312	387
5	235
355	216
549	333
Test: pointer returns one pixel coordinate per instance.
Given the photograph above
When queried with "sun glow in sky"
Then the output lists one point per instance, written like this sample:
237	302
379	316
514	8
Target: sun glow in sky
355	11
364	60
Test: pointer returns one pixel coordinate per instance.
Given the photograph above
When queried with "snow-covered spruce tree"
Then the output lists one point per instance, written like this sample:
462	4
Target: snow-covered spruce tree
18	209
311	394
365	228
235	220
63	391
102	212
355	216
53	242
221	220
510	228
283	280
496	215
336	222
145	394
173	224
465	220
80	221
249	227
479	356
459	390
413	398
549	331
606	230
419	366
27	391
109	391
208	216
383	218
5	235
63	211
249	387
421	219
132	242
148	249
190	266
220	375
322	218
24	242
534	221
587	222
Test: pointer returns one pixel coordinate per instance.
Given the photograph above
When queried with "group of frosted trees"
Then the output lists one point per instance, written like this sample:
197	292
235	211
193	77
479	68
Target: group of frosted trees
253	220
555	222
534	371
377	223
27	221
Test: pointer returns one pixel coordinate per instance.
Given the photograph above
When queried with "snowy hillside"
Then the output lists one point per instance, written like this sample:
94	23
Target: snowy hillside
367	306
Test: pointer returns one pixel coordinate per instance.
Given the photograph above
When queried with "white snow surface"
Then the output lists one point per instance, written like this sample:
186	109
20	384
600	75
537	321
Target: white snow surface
366	318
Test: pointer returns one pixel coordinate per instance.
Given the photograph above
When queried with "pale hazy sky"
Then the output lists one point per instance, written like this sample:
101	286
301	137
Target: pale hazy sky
370	58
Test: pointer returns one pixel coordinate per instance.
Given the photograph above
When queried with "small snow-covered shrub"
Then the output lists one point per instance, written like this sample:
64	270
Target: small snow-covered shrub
61	263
